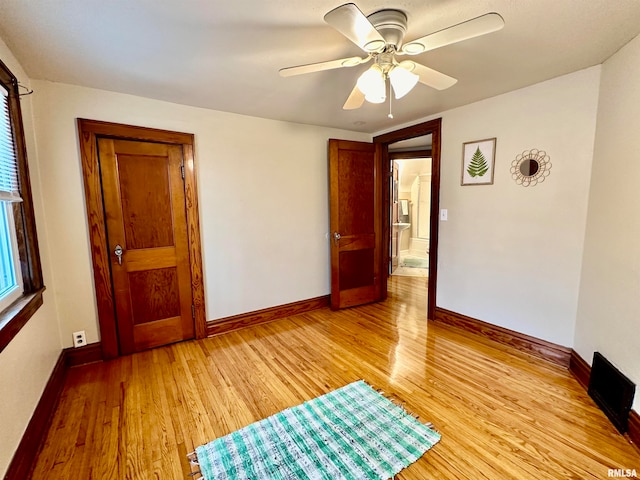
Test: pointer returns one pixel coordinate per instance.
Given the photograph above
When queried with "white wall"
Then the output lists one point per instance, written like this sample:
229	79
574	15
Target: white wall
27	362
263	197
609	308
511	255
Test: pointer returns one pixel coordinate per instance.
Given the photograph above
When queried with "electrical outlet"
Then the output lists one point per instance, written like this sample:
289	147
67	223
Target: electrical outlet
79	339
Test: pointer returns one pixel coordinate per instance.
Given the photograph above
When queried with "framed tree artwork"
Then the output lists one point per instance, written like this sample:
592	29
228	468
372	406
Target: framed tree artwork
478	160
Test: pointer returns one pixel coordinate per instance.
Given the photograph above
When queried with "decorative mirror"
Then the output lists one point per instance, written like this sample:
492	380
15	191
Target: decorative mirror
531	167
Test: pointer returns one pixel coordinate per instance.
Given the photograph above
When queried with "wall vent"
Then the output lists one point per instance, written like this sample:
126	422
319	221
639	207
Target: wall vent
612	391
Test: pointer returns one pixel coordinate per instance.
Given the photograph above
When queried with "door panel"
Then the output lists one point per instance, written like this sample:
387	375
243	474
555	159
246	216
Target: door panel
355	202
144	203
356	268
139	205
156	295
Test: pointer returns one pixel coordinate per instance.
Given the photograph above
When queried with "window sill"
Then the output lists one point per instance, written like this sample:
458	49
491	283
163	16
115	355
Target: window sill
16	315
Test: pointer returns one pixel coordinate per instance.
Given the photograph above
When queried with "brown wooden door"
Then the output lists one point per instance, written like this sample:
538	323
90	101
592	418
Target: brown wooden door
144	203
355	222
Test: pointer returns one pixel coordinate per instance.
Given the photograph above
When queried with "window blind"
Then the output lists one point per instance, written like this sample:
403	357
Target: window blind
9	187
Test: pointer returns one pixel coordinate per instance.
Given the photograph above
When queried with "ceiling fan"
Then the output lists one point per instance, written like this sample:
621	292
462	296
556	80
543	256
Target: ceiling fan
380	35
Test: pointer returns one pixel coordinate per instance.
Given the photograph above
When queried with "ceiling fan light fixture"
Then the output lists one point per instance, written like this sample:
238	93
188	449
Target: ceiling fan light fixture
374	46
379	98
381	36
413	48
351	62
408	65
402	81
372	84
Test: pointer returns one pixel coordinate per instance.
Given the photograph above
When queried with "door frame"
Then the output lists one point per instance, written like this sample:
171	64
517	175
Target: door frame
88	133
433	128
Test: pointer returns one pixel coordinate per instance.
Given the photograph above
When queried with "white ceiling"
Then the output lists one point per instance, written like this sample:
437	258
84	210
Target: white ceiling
225	55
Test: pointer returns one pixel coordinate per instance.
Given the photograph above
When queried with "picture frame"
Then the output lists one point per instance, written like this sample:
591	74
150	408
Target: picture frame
478	162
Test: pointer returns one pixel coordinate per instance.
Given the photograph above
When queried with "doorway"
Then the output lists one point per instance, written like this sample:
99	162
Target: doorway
430	128
143	222
410	201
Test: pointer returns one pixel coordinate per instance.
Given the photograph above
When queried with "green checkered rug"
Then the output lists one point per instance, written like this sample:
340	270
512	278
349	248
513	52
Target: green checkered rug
352	433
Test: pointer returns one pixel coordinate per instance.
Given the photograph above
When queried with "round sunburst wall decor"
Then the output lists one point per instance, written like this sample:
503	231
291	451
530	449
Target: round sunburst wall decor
531	167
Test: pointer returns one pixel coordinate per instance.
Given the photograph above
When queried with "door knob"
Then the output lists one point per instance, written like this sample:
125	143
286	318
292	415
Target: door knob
118	251
336	236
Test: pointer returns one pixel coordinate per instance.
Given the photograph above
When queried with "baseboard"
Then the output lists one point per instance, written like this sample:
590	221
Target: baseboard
236	322
33	438
582	371
634	428
534	346
90	353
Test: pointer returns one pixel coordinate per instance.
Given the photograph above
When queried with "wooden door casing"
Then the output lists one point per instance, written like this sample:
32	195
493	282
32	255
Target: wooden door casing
89	133
145	209
355	198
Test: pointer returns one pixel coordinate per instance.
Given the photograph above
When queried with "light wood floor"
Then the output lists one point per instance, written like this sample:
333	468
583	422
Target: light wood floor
502	414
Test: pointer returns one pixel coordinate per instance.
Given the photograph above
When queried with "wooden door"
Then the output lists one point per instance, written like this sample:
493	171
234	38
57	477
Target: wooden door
355	221
144	202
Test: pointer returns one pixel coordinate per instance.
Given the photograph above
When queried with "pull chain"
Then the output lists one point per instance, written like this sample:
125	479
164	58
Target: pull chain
390	100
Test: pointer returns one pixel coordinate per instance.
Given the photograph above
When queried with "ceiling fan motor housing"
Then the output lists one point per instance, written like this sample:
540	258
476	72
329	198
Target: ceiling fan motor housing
391	24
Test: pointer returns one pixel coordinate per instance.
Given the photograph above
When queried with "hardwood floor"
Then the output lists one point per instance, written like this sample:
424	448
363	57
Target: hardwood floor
501	413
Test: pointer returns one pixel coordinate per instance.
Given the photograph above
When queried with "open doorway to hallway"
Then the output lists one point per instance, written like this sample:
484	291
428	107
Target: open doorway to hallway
410	206
422	136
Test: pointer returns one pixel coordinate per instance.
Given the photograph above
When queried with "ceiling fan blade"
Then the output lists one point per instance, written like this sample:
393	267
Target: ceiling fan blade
429	76
475	27
317	67
353	24
355	100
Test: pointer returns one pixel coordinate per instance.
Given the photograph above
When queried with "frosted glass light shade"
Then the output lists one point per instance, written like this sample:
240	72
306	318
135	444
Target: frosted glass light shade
402	81
372	84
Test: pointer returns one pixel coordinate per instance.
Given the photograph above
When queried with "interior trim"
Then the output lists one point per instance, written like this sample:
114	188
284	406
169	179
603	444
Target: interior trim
410	155
90	353
249	319
634	428
582	371
16	315
537	347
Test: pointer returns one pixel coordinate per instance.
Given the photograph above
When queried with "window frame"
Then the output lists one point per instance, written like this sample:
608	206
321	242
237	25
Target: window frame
6	220
16	315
